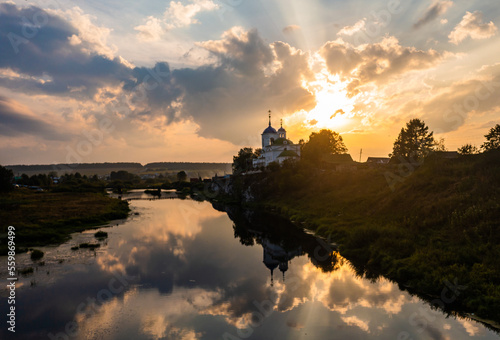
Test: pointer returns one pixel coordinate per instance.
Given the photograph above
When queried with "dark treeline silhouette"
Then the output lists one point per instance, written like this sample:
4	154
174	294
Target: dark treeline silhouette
187	166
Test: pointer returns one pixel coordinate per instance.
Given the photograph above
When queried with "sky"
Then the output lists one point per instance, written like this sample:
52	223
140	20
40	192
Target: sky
193	80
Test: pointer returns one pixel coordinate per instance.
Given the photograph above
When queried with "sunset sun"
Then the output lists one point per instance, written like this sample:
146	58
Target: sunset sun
333	107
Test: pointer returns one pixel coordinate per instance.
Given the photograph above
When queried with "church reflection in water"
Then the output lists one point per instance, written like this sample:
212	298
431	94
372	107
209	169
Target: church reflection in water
277	257
281	241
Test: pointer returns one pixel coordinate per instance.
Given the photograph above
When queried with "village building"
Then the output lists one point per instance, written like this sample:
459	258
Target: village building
339	162
276	147
378	160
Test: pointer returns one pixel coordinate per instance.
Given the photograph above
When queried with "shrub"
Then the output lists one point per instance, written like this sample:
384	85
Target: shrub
36	254
90	246
101	234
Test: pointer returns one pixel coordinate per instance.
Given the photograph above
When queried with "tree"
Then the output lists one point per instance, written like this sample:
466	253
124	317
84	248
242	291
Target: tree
121	175
439	145
492	139
468	149
414	141
301	144
325	142
273	166
181	176
243	161
257	152
25	179
6	179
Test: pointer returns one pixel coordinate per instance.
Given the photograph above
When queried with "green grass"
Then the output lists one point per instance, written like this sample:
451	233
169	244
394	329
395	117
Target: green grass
441	223
49	218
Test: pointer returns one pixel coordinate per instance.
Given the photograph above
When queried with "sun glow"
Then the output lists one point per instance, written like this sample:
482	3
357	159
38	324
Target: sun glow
334	109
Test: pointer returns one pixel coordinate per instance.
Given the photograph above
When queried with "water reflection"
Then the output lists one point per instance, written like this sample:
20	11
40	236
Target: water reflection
184	270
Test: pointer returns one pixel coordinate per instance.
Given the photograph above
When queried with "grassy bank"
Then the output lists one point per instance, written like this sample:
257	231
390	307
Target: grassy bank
440	223
42	218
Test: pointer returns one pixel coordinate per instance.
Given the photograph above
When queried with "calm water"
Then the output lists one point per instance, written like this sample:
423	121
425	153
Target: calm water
181	269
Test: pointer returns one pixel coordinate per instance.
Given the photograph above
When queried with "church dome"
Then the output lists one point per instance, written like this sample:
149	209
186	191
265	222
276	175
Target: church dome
269	129
281	131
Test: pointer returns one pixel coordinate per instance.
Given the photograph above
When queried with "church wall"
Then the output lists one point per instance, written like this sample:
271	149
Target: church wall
267	137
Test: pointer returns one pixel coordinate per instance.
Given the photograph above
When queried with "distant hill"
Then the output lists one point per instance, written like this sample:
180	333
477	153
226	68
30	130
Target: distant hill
193	169
74	166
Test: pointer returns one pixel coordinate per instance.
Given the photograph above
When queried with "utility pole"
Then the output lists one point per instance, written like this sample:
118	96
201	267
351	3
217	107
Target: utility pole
360	153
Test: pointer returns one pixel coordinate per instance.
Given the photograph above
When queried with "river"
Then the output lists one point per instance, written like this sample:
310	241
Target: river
181	269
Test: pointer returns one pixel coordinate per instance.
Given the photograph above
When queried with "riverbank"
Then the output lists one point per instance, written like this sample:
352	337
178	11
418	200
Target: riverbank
42	218
437	224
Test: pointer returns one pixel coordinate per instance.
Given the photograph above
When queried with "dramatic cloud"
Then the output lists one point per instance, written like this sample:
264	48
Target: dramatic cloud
55	51
377	62
472	26
176	15
92	38
435	10
179	15
456	104
246	52
233	94
151	30
17	120
246	77
351	30
191	84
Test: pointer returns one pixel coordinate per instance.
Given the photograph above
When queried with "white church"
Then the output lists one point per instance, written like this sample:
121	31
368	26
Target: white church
276	147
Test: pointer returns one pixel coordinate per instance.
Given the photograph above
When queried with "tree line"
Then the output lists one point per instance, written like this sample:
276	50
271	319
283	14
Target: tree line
414	142
75	182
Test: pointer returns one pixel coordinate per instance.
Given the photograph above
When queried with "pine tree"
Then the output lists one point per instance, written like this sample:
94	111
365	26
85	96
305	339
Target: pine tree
414	141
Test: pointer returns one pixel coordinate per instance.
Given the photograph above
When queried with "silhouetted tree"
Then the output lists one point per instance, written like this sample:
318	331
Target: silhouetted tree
25	180
273	166
243	161
6	179
492	139
181	176
325	142
468	149
414	141
123	175
439	145
257	152
34	180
